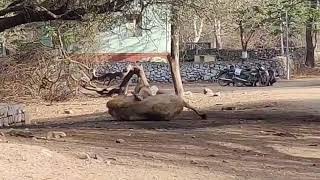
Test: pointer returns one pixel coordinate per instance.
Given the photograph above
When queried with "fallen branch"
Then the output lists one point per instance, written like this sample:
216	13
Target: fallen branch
123	87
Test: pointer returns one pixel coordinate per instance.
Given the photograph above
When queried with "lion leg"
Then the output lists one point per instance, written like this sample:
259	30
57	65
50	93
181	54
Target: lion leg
202	115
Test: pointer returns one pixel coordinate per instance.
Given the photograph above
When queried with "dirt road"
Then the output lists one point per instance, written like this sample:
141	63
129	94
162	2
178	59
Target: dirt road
273	133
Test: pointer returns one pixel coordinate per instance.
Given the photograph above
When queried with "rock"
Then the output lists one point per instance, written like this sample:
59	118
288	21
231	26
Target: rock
112	159
35	139
2	134
95	156
154	90
21	133
207	78
119	141
194	162
208	91
56	134
188	93
313	145
42	138
217	94
285	134
242	121
83	156
68	111
228	108
108	162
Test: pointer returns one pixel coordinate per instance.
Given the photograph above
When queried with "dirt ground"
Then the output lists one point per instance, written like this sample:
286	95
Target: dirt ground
272	133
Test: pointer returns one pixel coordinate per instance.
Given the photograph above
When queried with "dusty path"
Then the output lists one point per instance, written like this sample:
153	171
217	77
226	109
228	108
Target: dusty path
273	134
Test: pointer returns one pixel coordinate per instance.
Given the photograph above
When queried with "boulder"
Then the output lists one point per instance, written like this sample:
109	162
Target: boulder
56	134
188	93
208	91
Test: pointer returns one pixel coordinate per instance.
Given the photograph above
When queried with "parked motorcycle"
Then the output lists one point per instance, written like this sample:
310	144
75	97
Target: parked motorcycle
225	77
272	77
244	77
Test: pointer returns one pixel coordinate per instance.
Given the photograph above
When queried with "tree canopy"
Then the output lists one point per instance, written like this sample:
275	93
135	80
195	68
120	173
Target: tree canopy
230	23
20	12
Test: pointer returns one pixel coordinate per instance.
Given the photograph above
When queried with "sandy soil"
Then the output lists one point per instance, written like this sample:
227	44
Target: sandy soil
274	133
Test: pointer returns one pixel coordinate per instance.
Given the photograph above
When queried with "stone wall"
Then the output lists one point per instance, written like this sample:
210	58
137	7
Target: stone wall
190	71
160	72
13	115
297	54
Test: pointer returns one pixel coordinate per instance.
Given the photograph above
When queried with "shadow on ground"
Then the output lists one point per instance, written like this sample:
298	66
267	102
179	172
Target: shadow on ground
187	120
263	142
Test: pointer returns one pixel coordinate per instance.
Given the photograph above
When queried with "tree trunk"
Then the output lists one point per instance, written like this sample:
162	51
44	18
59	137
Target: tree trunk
282	38
197	30
217	34
316	27
310	58
174	58
244	43
310	28
241	36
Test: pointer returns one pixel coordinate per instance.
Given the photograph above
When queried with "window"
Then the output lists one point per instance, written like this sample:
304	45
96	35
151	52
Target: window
134	23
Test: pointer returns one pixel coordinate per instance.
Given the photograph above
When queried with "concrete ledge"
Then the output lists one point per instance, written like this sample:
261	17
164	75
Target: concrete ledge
13	115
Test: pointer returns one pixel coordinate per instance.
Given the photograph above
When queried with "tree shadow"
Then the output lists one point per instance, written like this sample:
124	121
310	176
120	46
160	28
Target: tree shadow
187	120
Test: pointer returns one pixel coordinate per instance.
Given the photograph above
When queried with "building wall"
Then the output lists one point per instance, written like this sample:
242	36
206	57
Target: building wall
153	42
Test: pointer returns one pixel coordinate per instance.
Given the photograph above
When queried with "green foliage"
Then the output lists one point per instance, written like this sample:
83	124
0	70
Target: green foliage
4	3
72	35
256	16
251	17
299	12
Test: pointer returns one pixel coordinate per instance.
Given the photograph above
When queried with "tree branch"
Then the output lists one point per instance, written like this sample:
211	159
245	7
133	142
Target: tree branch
55	16
11	9
29	13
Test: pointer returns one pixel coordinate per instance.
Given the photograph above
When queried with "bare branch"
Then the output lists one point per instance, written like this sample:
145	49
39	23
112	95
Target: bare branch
31	13
11	9
55	16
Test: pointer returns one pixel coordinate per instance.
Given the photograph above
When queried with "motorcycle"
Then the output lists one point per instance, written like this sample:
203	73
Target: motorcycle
244	77
225	77
272	77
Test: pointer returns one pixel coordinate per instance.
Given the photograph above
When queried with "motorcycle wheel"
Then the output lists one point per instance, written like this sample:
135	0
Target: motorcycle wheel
249	84
223	82
239	84
263	81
